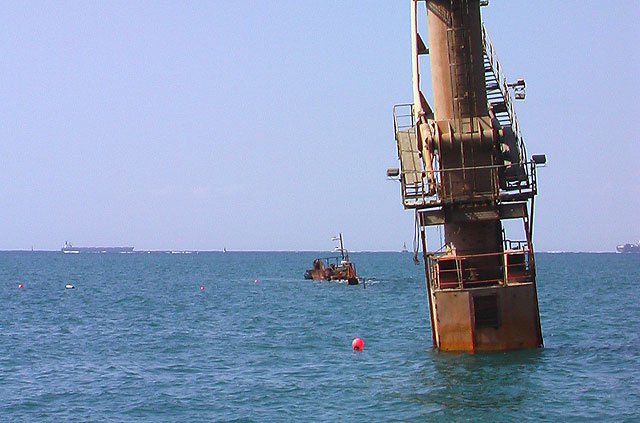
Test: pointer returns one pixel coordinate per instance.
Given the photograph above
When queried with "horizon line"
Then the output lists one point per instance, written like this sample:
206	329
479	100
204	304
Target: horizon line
179	251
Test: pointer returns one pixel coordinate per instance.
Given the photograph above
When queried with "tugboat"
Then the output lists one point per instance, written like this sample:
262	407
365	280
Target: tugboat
337	268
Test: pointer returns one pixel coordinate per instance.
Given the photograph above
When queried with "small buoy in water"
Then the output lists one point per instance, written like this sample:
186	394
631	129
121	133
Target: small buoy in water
257	281
357	344
201	287
69	286
20	286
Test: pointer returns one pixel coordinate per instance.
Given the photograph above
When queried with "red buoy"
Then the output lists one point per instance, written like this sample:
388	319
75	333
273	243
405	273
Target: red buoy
357	344
20	286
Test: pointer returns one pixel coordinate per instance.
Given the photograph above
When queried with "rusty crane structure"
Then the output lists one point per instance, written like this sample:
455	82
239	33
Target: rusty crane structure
464	169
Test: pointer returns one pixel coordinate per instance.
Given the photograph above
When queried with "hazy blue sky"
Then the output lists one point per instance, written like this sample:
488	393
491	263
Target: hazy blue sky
264	125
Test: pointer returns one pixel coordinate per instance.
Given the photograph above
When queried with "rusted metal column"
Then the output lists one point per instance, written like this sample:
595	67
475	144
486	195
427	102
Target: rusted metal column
459	94
455	50
479	310
481	289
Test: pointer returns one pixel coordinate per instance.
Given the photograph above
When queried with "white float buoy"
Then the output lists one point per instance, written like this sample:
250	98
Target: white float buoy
69	286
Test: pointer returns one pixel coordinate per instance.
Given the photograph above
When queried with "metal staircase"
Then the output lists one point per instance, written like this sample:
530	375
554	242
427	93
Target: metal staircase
502	110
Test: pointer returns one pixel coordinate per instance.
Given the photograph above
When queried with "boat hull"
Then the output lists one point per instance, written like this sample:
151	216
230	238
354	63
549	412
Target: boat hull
96	250
320	275
334	268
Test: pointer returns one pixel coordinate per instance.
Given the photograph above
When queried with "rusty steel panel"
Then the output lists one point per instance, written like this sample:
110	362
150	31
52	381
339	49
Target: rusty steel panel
454	330
462	326
518	320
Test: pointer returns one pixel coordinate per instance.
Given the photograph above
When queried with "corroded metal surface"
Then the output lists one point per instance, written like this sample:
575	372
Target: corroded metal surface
337	268
327	271
463	166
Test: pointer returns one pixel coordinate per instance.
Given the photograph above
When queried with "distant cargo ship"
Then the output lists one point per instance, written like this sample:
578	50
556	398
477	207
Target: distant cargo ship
70	249
628	248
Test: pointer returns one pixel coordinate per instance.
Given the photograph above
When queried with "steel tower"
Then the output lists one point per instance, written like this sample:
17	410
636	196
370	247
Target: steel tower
464	167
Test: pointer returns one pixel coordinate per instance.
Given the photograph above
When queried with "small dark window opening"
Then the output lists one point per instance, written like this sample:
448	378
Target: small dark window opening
486	311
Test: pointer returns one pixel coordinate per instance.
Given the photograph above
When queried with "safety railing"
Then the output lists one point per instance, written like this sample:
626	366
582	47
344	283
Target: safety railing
469	184
403	117
451	271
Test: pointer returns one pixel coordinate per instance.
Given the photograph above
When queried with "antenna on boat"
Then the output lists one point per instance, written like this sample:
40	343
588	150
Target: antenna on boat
341	248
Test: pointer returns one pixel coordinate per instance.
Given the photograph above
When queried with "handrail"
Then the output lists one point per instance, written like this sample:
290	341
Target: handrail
503	87
467	256
396	116
414	195
462	275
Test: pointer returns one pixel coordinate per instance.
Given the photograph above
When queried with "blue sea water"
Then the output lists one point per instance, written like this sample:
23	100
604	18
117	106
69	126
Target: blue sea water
138	340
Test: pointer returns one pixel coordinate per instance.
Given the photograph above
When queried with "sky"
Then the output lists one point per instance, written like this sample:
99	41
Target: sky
267	125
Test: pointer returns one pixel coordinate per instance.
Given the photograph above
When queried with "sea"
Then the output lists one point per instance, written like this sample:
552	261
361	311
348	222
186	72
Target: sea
243	337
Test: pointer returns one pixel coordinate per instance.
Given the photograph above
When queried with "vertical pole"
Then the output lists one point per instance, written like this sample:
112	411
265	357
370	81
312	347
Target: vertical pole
415	65
427	271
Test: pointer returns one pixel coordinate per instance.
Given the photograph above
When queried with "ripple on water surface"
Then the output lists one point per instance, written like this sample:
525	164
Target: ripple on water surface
138	340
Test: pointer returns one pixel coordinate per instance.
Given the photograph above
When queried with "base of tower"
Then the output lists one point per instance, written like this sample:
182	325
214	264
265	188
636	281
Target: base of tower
486	318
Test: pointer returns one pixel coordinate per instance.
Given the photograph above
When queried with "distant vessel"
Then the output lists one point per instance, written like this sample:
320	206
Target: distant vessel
334	268
68	248
404	248
629	248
